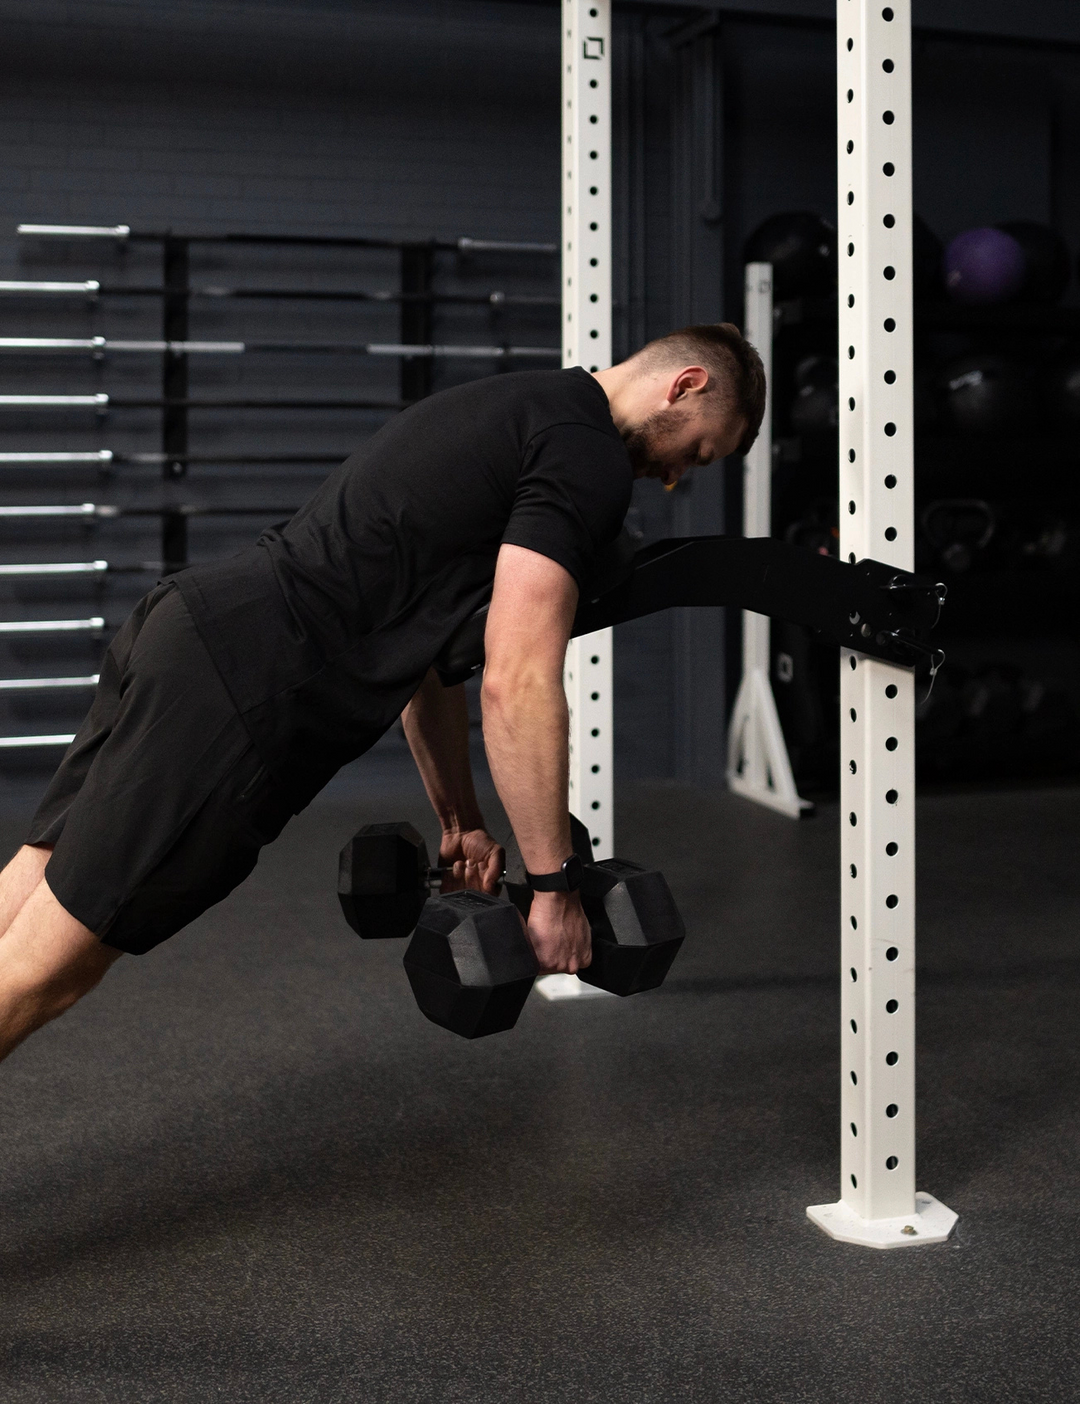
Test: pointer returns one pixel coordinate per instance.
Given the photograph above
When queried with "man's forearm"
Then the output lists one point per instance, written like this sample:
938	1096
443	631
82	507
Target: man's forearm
526	728
436	724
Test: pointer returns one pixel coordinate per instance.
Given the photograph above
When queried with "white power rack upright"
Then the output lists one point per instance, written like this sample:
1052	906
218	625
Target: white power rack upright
757	764
878	1204
586	341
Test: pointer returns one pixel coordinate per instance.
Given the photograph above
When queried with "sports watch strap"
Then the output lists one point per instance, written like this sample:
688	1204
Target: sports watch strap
567	879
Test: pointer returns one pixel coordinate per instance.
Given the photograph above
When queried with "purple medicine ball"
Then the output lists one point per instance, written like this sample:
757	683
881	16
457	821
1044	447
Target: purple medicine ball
984	265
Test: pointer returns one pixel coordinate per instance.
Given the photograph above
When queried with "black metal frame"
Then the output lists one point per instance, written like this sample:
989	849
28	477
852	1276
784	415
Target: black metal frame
867	606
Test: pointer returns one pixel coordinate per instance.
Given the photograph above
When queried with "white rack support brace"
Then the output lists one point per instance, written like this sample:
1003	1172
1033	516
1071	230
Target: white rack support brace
757	765
878	1205
586	315
586	341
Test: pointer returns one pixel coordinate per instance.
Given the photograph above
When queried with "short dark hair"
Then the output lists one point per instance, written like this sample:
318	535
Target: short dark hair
731	361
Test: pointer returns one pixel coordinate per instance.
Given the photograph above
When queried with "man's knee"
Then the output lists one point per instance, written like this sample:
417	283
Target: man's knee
53	990
50	954
56	995
34	857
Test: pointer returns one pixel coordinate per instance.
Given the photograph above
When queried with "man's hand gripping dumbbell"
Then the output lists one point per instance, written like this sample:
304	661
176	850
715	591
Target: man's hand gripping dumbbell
472	960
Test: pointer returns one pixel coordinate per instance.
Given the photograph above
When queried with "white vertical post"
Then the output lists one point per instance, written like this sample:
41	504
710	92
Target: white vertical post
586	312
878	1203
586	341
757	466
757	766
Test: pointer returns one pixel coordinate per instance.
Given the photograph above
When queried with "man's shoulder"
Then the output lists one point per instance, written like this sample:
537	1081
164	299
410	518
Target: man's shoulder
537	398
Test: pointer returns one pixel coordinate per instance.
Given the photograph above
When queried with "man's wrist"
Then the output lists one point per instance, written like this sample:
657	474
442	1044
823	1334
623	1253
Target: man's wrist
566	878
556	899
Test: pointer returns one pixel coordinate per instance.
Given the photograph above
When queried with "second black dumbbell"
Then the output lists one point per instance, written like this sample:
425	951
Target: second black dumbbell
636	927
384	879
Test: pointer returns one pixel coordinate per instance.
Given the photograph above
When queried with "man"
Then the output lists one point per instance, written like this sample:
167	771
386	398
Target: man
237	689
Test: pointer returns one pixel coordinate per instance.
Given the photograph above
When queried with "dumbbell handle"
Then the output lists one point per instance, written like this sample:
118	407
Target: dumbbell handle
436	875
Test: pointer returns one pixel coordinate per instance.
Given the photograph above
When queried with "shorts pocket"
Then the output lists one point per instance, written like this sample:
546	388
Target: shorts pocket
261	807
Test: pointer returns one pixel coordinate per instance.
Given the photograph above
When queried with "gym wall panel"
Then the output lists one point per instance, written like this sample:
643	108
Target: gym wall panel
1065	153
1047	21
1051	20
307	117
989	120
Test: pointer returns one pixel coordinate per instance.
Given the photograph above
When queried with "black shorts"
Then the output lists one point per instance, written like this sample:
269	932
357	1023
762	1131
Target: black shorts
161	803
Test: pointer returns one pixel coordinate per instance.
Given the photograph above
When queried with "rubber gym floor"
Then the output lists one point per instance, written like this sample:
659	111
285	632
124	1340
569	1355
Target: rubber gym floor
246	1169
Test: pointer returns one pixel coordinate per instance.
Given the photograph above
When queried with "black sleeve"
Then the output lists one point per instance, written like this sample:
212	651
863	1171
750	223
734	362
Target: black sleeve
572	496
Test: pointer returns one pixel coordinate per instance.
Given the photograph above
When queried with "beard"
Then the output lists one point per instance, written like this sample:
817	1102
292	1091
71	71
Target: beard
649	442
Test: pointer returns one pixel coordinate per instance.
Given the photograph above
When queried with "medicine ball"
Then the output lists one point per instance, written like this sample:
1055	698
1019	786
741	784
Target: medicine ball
1063	393
925	405
1034	536
1046	260
985	394
991	700
983	266
815	409
1048	715
801	247
818	371
958	530
815	532
926	255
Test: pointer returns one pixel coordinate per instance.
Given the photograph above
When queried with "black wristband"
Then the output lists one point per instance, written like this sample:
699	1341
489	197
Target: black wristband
567	879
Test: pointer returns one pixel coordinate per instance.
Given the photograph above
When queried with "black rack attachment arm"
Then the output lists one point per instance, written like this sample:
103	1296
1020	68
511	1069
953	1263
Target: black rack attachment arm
869	607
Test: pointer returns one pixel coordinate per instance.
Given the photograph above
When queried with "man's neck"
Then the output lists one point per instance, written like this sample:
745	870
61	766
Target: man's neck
615	384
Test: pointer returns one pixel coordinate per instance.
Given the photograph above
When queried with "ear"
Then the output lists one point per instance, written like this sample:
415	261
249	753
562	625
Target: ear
688	380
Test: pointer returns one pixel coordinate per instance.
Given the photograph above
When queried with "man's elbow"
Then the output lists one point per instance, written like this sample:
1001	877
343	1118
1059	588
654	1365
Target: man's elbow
510	683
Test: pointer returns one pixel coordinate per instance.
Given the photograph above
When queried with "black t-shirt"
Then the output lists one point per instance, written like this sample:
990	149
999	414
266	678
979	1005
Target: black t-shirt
323	630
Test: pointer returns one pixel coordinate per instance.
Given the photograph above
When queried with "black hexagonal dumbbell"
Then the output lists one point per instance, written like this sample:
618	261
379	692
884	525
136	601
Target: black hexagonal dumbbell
384	879
470	963
636	927
517	889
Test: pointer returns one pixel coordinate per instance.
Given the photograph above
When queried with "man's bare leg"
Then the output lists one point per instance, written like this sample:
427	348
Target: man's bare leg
48	960
19	879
